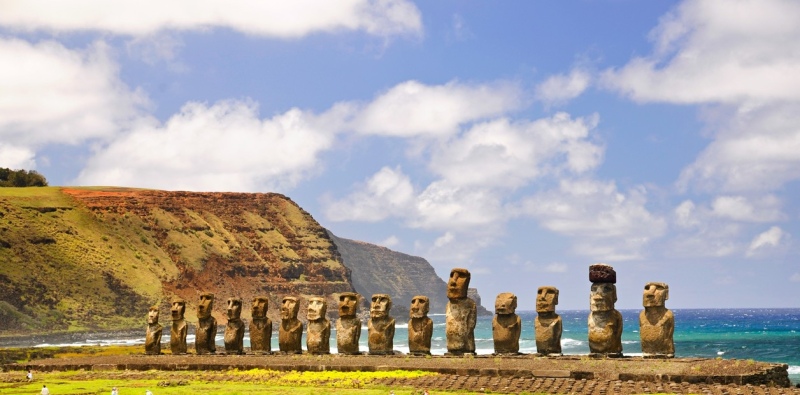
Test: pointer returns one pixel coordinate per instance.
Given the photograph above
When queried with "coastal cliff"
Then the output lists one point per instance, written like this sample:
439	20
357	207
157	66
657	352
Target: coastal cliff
97	258
87	259
376	269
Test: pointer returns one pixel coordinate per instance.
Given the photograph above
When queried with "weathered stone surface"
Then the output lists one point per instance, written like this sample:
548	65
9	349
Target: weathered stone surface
460	315
290	333
602	273
234	330
152	341
177	334
319	328
548	324
506	325
420	326
348	327
380	326
656	322
260	326
605	323
206	332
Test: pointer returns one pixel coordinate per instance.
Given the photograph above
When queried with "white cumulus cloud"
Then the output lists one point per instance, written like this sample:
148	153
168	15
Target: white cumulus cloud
223	147
606	224
388	192
740	208
740	59
769	238
718	52
285	19
414	109
561	88
501	153
55	95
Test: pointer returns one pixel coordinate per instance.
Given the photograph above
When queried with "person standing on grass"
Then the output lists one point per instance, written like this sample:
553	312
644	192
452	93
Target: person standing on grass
114	391
29	375
45	391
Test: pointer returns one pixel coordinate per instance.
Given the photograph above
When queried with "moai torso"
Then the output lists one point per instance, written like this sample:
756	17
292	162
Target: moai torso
547	324
179	329
506	325
260	326
152	341
319	328
656	322
380	326
206	332
290	333
234	330
348	326
420	326
461	314
605	323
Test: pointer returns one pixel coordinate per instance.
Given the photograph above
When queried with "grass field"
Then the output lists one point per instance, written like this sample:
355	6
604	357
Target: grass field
256	381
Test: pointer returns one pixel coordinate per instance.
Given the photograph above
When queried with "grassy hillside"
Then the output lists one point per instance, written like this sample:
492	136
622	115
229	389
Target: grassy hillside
97	258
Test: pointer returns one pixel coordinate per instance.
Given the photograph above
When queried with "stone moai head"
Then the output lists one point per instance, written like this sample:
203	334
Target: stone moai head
381	304
603	296
317	308
458	284
234	308
289	308
260	307
604	292
546	299
152	315
505	303
655	294
348	304
420	305
205	305
178	308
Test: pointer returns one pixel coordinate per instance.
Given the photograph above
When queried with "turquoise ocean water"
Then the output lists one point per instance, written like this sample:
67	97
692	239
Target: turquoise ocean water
769	335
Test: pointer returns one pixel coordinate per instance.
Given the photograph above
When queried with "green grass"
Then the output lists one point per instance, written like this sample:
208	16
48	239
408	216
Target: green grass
255	381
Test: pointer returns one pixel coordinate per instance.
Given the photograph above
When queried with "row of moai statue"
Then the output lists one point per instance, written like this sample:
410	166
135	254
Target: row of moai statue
656	323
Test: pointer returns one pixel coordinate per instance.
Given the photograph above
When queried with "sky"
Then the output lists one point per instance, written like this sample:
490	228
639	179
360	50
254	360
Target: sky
522	140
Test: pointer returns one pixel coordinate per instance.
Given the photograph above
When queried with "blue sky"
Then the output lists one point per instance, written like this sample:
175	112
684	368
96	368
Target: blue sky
523	140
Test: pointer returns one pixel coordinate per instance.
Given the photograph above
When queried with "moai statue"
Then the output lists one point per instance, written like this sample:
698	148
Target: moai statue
506	325
461	314
605	322
206	332
348	327
380	326
177	334
547	324
420	326
290	334
234	331
152	340
319	328
260	326
656	322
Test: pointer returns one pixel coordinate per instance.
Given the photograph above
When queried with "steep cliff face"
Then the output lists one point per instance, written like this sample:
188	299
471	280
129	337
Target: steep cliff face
97	258
377	269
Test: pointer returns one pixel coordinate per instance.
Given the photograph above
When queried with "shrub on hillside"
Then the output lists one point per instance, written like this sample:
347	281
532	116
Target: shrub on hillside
21	178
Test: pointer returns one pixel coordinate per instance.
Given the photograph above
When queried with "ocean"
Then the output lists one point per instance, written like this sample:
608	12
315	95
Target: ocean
769	335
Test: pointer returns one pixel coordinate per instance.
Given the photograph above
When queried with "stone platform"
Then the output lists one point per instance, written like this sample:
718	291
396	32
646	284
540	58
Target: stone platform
525	368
